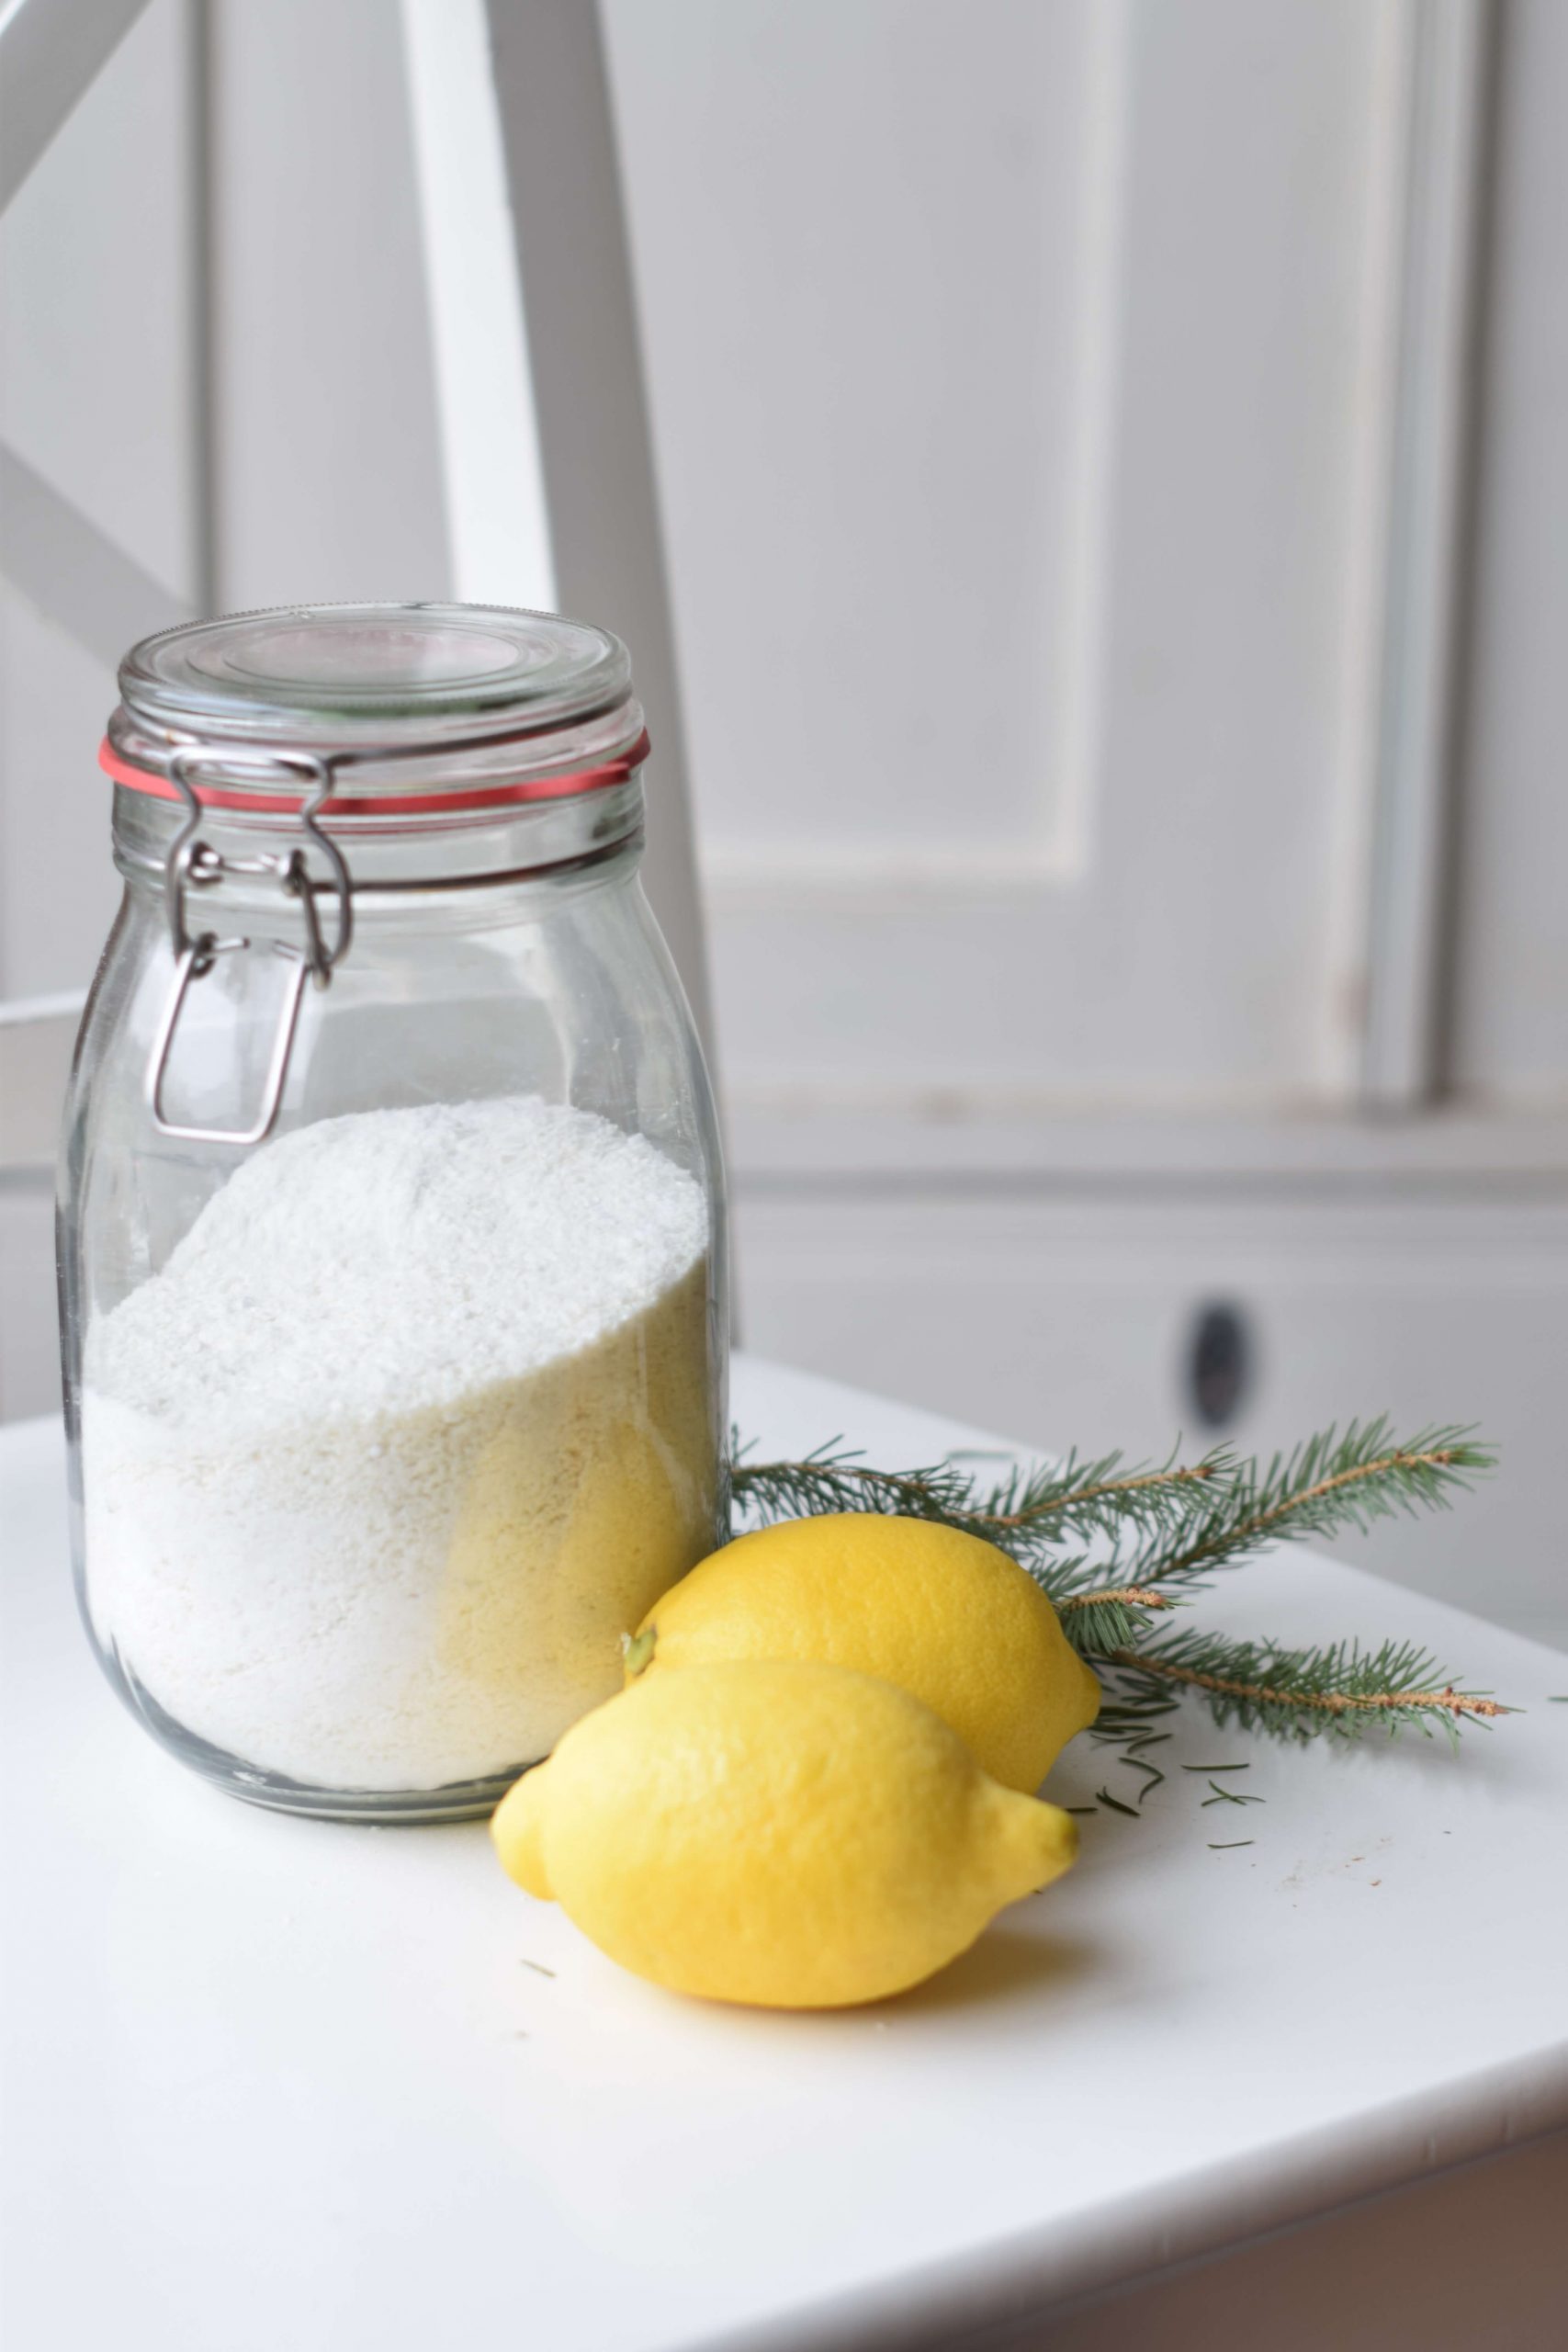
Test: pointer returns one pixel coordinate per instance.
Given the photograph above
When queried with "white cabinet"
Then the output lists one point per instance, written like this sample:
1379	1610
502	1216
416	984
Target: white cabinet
1067	1309
1036	391
1006	552
1115	485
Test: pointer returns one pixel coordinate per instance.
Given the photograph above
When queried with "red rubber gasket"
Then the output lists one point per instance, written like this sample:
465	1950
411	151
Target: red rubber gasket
430	804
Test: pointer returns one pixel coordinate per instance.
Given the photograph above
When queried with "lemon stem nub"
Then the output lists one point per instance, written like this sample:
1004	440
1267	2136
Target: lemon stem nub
639	1649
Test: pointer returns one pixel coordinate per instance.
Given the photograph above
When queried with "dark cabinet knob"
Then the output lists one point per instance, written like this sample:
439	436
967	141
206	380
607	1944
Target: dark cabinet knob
1219	1365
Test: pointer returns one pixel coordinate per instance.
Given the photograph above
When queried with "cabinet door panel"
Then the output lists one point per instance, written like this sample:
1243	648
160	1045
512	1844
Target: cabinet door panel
1012	371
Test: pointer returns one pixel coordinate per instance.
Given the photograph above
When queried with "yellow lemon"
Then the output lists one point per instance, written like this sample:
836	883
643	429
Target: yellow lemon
802	1836
947	1617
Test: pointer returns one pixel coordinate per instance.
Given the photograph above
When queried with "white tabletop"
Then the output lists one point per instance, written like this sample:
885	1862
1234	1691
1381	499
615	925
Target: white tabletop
275	2083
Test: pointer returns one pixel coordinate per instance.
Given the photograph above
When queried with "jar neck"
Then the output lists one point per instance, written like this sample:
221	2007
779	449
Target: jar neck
589	835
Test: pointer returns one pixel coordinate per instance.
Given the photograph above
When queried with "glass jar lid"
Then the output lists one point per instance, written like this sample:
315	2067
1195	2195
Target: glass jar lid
412	708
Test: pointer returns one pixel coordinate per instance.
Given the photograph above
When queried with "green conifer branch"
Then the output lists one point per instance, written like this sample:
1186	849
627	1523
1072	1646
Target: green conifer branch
1154	1533
1331	1482
1028	1512
1338	1688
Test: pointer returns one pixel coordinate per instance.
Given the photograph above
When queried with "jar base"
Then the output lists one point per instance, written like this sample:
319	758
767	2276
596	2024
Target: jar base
379	1808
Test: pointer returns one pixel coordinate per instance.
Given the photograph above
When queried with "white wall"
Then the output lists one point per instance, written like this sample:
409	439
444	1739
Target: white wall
1025	383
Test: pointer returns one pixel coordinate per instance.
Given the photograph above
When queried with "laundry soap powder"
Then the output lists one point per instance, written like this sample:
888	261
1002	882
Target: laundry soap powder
412	1426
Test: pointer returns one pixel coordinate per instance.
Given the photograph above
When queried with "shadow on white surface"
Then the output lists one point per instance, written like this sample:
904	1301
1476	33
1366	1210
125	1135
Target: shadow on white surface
1006	1965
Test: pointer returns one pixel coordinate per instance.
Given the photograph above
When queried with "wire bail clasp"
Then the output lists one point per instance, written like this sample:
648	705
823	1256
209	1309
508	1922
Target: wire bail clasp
192	863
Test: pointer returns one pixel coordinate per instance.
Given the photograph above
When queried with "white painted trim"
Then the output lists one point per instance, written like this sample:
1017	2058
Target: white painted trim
1057	854
51	52
791	1143
72	572
574	267
64	1004
1092	463
1378	1036
203	330
497	510
876	875
1374	409
37	1037
1431	452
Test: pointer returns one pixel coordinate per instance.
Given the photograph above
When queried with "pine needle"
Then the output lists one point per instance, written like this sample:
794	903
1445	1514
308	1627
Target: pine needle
1229	1796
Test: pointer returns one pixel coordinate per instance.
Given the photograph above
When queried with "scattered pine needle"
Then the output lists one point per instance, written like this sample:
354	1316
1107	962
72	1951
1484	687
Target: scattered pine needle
1229	1796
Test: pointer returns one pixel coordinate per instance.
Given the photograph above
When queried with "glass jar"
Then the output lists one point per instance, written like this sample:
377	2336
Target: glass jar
391	1227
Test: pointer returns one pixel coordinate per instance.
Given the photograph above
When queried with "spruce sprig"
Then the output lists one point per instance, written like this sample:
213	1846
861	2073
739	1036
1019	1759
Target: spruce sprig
1030	1513
1338	1690
1330	1482
1115	1546
1333	1481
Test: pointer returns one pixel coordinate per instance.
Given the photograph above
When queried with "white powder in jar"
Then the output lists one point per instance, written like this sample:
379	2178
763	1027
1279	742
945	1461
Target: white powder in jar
413	1424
